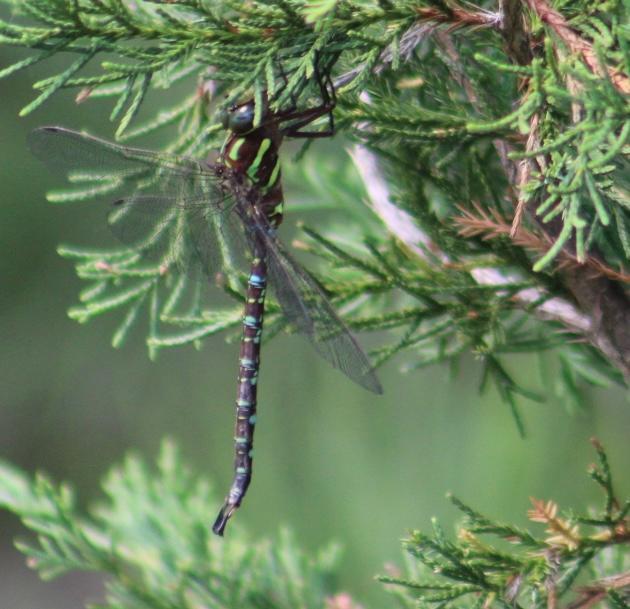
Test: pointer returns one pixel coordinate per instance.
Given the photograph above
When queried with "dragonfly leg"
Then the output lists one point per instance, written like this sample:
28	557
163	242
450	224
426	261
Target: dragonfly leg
300	119
249	363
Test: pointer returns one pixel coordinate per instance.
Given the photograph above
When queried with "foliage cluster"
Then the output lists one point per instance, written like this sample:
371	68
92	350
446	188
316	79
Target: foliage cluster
151	535
573	560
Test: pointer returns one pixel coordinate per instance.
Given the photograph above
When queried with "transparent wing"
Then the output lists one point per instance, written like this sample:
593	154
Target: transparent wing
188	234
171	207
307	307
196	216
87	158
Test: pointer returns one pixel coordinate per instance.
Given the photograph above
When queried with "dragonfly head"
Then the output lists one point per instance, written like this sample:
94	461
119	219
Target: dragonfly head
239	119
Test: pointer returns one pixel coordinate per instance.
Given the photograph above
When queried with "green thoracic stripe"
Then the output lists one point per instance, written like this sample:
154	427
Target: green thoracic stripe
262	149
275	173
233	154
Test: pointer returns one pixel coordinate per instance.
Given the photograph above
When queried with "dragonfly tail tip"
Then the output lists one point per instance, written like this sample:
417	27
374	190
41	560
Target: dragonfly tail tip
225	513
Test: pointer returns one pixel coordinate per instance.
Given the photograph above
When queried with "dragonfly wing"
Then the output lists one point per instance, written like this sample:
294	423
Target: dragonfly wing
170	207
88	159
191	229
307	307
172	232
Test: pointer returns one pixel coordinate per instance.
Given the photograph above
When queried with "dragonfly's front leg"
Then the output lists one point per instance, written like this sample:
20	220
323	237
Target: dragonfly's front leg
249	363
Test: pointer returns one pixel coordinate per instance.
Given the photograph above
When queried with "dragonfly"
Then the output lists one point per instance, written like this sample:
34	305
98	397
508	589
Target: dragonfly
194	215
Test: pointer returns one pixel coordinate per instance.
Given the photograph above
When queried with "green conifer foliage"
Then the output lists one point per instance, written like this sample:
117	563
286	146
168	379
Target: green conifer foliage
491	143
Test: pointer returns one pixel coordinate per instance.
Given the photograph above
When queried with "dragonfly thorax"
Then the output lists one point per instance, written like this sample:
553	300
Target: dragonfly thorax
252	154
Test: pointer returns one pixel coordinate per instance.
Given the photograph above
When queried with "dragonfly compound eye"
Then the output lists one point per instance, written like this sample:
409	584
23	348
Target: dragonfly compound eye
240	119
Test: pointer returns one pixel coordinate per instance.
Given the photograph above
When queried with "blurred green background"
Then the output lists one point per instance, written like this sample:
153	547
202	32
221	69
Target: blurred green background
332	461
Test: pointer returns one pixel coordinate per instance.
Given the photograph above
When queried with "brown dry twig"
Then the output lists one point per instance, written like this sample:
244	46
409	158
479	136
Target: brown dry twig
576	44
562	532
524	173
459	17
492	225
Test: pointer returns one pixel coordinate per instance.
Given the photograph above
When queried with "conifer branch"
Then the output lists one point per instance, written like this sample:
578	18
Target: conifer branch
400	224
600	298
598	591
536	571
150	537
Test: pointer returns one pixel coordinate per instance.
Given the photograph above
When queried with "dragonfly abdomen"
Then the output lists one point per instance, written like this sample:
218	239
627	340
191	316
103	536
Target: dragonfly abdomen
253	156
249	364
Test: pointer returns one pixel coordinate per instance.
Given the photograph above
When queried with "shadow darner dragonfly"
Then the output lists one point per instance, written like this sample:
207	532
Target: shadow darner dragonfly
192	215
